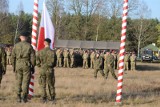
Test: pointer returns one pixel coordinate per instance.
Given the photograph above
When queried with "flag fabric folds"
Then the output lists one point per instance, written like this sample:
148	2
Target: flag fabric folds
46	29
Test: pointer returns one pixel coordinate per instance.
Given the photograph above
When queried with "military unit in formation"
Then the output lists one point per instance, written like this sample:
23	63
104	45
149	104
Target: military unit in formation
23	59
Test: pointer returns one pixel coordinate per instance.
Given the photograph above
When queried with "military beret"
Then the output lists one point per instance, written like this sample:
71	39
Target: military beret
26	34
48	40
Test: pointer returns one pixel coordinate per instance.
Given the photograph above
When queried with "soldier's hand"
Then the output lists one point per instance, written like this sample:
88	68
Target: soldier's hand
4	72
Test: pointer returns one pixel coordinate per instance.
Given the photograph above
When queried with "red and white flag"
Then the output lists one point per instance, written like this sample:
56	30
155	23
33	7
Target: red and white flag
46	29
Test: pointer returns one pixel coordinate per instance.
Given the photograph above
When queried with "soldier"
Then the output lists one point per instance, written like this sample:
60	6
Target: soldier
109	63
8	56
66	58
59	57
126	60
133	61
72	58
45	60
85	60
115	58
98	66
2	63
23	60
92	56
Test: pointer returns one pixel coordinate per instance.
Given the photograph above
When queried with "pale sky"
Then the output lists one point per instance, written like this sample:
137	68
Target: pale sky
154	5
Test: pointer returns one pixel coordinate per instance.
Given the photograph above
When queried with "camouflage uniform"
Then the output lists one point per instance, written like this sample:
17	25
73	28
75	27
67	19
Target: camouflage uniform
126	60
98	66
45	60
59	58
115	60
109	63
8	56
23	57
92	56
72	57
133	62
85	60
2	63
66	58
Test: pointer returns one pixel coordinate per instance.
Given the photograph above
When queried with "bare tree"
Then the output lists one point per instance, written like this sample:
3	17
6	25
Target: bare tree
56	10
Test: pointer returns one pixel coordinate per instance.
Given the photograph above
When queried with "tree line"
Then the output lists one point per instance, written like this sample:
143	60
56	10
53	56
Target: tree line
96	20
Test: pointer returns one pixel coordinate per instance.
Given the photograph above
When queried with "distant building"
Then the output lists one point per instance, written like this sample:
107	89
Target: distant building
87	44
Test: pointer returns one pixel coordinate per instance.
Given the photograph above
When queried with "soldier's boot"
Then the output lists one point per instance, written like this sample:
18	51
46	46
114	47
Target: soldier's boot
44	100
24	99
18	98
53	100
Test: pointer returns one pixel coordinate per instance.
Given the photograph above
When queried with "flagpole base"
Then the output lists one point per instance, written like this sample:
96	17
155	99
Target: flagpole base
118	103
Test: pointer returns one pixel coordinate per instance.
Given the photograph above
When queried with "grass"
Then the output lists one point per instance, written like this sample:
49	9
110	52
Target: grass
76	87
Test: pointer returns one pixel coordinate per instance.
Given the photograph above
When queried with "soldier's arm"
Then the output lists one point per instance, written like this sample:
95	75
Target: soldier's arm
13	59
4	61
38	61
32	57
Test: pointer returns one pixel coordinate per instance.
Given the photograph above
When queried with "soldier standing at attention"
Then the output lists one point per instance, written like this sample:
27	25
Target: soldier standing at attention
59	57
23	58
133	61
66	58
85	60
2	63
45	60
72	57
8	56
110	66
92	56
98	66
126	60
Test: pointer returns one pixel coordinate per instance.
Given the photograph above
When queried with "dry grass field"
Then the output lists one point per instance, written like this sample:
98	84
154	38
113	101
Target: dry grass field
76	87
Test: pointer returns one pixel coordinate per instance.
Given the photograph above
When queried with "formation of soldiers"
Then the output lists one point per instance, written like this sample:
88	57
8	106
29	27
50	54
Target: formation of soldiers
23	59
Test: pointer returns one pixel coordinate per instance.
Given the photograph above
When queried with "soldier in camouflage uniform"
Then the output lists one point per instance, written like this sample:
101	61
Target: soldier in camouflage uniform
98	66
23	57
85	60
2	63
115	58
109	63
45	60
92	57
66	58
72	58
8	56
59	57
133	61
126	60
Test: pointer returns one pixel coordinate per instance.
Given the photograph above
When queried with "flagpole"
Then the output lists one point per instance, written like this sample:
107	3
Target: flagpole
34	42
122	51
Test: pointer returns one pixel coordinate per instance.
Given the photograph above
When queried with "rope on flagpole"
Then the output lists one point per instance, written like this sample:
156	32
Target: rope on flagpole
122	51
33	42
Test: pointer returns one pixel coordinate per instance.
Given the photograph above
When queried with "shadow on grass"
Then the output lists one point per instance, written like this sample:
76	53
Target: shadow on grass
147	67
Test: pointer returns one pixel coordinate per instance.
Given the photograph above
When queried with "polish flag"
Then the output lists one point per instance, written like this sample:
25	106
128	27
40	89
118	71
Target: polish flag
46	29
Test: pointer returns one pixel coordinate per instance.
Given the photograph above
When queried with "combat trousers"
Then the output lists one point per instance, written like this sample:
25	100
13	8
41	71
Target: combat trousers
1	75
108	69
72	62
96	71
59	62
47	78
133	65
66	62
23	76
8	60
92	63
126	66
85	63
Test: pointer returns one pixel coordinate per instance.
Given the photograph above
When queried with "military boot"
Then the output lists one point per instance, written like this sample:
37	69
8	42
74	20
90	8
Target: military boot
53	100
24	99
18	98
43	100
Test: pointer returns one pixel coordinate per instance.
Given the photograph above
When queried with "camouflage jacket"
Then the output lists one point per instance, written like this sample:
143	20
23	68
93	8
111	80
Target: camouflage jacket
98	63
23	54
45	58
2	60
